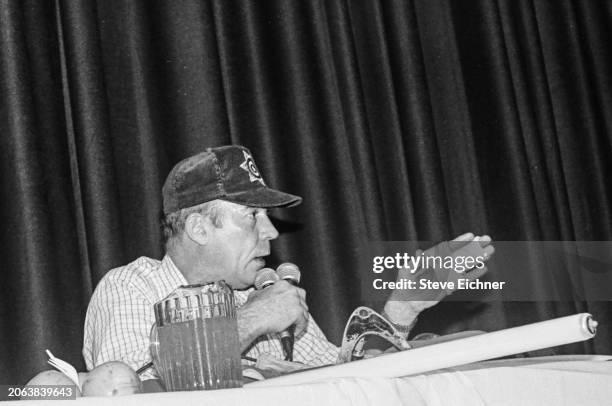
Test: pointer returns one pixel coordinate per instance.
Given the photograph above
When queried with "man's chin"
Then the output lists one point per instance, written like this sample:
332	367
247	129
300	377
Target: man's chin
259	263
251	271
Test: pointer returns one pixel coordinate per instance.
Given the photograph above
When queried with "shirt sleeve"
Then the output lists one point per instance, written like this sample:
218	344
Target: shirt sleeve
117	325
313	348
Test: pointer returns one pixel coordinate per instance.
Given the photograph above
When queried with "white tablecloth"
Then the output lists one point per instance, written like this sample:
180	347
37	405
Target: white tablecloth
564	380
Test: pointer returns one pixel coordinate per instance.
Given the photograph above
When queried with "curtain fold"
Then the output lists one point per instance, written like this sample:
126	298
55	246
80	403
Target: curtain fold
395	120
38	234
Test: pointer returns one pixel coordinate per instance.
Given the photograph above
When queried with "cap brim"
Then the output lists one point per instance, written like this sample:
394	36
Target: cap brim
263	197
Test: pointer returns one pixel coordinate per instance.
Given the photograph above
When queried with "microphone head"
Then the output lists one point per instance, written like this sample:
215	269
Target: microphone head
265	278
289	272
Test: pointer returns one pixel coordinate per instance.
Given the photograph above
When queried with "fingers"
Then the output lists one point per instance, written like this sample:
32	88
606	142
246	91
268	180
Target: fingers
302	293
467	238
285	288
464	237
296	306
488	252
483	240
301	323
460	241
476	273
278	307
298	301
281	286
477	247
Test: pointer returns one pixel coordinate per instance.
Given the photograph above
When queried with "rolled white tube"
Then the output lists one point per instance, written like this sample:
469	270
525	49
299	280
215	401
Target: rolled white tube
530	337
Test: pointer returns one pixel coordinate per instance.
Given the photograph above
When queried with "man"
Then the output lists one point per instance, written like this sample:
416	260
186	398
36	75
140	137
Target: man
217	227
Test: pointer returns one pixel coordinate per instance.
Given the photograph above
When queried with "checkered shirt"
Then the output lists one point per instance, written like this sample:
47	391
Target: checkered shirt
120	316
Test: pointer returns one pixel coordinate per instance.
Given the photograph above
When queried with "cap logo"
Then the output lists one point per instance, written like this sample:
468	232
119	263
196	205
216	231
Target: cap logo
249	166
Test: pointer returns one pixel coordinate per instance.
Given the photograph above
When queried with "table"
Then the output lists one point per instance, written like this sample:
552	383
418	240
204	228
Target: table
559	380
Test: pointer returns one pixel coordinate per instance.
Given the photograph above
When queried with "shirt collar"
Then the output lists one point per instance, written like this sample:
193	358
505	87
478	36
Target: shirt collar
177	279
173	273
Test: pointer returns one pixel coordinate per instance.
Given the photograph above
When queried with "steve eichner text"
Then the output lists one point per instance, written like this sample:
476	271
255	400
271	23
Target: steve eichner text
426	284
458	264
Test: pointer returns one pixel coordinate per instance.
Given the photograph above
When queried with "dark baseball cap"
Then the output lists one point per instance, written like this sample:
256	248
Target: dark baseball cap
227	173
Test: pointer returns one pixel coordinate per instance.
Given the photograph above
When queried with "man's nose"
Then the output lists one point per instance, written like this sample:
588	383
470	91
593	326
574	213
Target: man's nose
267	231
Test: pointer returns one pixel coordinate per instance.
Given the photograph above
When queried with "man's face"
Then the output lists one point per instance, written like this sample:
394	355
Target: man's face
237	247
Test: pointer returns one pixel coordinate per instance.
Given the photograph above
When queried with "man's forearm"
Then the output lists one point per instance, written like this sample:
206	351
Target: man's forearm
247	328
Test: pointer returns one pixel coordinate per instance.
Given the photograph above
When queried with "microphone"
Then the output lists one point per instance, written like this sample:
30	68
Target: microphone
290	273
265	278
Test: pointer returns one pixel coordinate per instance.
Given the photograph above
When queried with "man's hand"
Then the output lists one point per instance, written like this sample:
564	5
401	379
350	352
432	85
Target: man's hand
404	306
272	310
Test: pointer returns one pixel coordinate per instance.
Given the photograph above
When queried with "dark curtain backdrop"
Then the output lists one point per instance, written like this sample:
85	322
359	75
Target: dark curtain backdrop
395	120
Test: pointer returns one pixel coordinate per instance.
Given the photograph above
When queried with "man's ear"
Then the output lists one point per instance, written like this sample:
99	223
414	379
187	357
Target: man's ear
197	228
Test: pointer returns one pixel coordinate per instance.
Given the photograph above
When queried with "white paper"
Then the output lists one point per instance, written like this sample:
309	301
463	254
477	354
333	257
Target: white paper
65	368
530	337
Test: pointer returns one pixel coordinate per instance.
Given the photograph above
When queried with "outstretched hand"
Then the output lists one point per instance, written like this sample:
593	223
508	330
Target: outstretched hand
403	306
